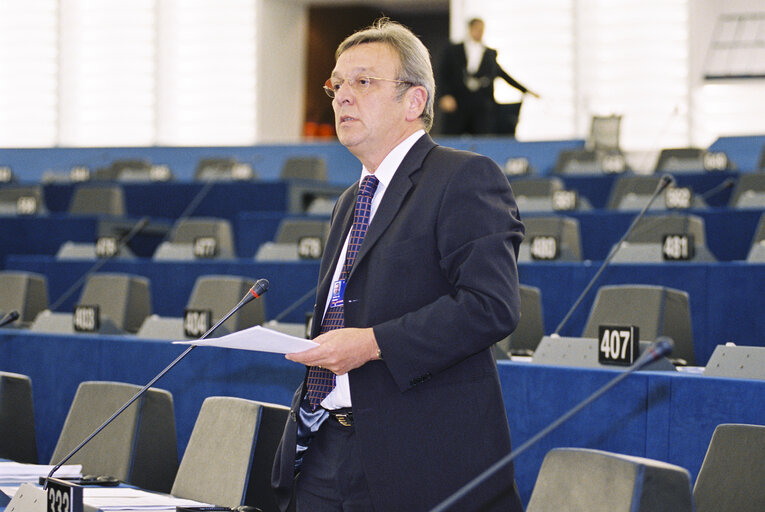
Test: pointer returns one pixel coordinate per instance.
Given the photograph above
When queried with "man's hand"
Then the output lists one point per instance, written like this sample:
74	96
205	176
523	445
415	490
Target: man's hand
340	351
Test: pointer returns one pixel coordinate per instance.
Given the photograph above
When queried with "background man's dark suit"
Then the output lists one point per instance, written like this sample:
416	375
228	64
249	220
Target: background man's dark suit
476	110
436	276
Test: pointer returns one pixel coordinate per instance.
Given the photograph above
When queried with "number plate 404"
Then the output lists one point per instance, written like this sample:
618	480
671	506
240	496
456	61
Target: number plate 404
618	345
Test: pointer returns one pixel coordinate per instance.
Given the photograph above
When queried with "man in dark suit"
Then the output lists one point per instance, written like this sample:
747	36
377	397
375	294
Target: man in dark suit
466	85
401	404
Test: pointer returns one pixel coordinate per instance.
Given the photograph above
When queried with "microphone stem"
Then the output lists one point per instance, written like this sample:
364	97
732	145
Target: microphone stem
507	459
611	254
101	262
143	390
294	305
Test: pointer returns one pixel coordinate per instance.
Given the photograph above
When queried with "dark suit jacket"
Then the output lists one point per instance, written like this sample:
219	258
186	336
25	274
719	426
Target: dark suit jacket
453	70
436	277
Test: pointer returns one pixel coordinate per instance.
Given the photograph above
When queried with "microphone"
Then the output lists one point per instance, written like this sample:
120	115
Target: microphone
257	290
10	317
724	185
660	348
664	182
137	228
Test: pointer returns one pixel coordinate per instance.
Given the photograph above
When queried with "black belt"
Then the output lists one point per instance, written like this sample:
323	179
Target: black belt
342	416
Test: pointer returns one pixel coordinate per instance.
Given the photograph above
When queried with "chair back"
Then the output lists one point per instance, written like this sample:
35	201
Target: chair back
228	459
584	480
732	476
18	441
139	447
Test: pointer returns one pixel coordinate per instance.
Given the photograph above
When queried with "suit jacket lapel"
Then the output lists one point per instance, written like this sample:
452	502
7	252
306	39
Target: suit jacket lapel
394	196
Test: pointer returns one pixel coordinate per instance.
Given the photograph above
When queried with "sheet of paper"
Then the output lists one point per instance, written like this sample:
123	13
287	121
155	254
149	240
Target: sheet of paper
256	338
16	472
122	498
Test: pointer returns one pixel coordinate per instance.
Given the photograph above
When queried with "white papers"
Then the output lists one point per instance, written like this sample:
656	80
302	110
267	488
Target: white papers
256	338
123	498
15	472
126	498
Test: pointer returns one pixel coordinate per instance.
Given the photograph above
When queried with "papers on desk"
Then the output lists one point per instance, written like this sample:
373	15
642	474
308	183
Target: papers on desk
15	472
126	498
256	338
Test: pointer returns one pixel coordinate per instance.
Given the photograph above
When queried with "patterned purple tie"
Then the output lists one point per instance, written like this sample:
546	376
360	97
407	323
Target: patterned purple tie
320	380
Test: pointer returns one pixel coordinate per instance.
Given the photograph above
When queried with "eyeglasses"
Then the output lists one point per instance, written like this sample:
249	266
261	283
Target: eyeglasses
360	84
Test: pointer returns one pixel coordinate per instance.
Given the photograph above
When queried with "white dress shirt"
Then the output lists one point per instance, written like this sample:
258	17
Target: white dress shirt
341	395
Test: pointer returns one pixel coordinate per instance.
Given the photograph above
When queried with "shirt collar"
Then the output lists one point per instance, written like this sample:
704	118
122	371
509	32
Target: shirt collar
392	161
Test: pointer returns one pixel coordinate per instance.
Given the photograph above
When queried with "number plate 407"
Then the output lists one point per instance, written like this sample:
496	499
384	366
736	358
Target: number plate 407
619	345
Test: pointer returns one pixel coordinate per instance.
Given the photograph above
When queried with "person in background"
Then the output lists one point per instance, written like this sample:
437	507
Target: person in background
466	85
401	404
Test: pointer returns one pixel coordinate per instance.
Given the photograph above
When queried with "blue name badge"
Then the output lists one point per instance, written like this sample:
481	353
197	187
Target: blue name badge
338	290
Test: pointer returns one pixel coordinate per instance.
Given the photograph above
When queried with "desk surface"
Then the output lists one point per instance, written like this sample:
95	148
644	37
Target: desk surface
660	415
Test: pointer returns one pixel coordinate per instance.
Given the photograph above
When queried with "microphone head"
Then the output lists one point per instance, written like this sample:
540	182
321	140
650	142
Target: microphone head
10	317
666	181
259	288
143	222
663	346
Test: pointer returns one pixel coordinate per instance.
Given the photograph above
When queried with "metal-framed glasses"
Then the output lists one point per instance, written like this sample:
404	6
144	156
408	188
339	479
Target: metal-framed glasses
359	85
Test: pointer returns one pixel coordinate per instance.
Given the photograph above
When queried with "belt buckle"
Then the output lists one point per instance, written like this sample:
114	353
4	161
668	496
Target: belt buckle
344	418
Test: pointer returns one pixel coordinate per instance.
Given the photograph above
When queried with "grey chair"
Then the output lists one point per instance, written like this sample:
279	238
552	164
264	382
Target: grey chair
304	168
680	160
655	310
229	455
585	480
749	191
222	169
632	193
186	232
565	230
139	447
646	242
524	340
125	299
284	247
122	168
605	132
22	200
87	251
757	250
216	293
18	441
25	292
91	199
732	476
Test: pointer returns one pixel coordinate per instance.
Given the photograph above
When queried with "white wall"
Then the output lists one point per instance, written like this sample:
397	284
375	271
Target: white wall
722	107
282	32
642	59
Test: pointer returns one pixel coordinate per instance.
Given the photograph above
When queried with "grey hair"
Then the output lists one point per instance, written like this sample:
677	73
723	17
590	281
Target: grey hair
414	57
